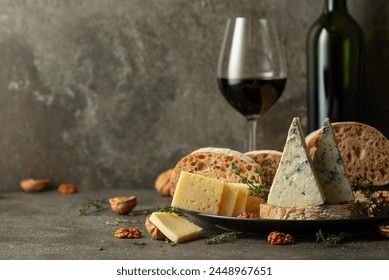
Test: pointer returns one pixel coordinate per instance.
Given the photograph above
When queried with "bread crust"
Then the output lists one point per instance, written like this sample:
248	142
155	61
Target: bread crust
214	163
364	150
320	212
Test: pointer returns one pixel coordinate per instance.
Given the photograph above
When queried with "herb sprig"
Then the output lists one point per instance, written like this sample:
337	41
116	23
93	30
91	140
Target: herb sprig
257	188
171	209
98	204
222	238
376	203
329	239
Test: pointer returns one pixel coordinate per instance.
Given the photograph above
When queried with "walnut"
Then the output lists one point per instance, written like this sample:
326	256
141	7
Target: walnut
153	230
249	215
384	229
123	205
279	238
34	185
162	182
67	189
128	233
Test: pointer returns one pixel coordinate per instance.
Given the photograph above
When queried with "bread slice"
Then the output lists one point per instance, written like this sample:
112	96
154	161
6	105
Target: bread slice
214	163
319	212
364	150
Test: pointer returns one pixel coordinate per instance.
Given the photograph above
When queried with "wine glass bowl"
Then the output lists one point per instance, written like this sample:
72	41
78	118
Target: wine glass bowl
251	72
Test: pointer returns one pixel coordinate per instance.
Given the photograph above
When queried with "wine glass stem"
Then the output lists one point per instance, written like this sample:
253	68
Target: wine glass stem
252	123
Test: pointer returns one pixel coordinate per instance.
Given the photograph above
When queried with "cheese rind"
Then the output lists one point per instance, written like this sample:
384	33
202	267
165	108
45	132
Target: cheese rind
329	168
198	193
228	200
295	183
174	227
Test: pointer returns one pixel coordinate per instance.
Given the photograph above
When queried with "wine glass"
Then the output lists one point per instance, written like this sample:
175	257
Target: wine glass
251	71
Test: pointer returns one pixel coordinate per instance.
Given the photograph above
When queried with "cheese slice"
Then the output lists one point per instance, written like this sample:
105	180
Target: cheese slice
241	199
174	227
253	203
329	168
198	193
228	200
295	183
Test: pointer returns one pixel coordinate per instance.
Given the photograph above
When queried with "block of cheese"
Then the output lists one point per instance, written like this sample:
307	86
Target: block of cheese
329	168
318	212
241	199
174	227
228	200
198	193
295	183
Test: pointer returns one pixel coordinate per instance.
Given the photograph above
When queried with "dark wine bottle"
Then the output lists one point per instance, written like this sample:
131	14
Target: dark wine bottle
335	66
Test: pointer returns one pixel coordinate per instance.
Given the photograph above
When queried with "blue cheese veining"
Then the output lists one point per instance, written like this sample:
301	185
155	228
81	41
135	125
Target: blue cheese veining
330	169
295	183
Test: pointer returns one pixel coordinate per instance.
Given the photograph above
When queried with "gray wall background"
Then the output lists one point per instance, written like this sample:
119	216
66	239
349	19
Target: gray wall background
108	94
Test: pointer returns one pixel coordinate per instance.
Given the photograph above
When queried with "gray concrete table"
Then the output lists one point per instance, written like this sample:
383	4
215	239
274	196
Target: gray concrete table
48	225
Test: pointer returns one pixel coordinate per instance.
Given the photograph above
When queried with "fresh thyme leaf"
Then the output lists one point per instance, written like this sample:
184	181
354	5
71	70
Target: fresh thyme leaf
142	243
98	204
101	248
222	238
170	209
255	187
376	203
329	239
116	221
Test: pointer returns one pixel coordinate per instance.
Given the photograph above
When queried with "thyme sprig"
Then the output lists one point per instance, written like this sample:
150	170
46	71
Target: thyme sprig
98	204
257	188
171	209
329	239
376	203
222	238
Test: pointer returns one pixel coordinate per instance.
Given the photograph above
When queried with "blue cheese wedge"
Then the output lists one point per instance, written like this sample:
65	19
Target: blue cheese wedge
295	183
329	168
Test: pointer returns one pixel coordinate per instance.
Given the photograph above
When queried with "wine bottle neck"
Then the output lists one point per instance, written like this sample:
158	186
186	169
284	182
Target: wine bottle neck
335	5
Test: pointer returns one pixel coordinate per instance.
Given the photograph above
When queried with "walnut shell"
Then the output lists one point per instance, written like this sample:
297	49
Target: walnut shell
34	185
384	229
154	232
162	182
123	205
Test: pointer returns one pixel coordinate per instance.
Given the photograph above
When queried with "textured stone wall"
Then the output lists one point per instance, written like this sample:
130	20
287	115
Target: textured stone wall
107	94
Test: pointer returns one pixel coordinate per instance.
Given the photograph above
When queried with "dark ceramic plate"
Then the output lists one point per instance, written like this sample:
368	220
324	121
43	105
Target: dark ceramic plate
290	226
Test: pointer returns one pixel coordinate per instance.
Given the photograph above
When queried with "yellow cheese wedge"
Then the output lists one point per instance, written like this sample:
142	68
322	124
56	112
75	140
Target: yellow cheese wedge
227	203
241	200
198	193
174	227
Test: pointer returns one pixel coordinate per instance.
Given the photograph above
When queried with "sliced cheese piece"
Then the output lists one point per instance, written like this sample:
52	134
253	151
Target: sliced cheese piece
228	200
174	227
198	193
241	199
295	183
329	168
252	204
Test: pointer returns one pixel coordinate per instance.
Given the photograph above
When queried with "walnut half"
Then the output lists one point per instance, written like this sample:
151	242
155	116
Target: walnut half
123	205
34	185
153	230
162	182
279	238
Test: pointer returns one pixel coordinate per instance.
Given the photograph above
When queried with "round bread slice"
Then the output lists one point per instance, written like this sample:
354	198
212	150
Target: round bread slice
320	212
214	163
364	150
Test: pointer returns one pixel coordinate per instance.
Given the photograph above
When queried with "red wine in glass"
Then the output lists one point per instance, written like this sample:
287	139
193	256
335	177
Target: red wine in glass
251	96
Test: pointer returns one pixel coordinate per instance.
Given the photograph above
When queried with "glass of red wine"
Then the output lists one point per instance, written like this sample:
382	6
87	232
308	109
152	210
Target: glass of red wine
251	71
